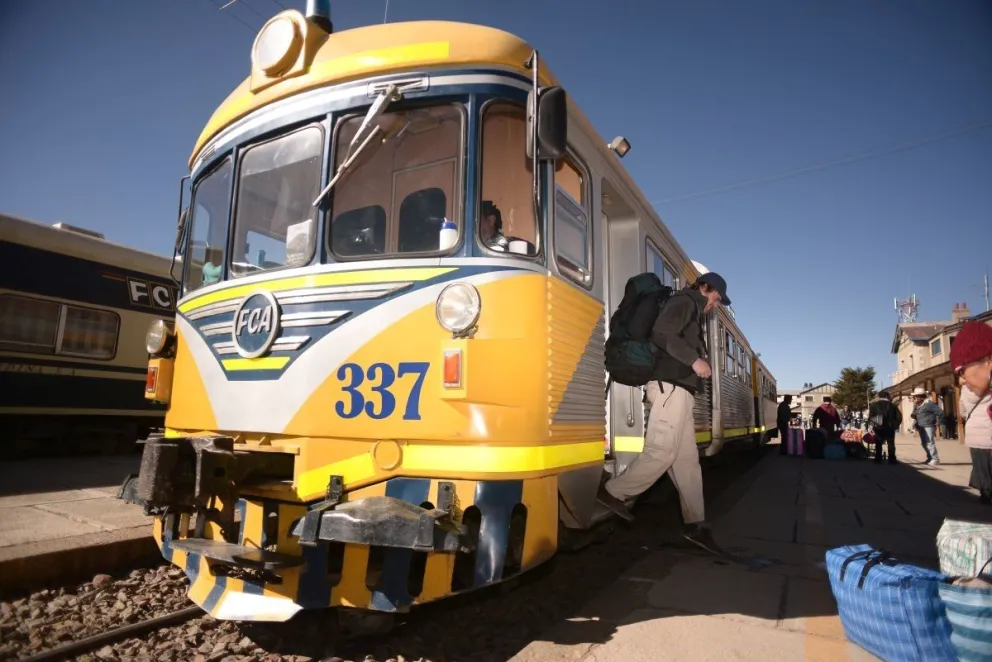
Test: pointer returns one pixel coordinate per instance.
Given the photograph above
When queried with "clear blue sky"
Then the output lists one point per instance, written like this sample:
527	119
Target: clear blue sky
103	99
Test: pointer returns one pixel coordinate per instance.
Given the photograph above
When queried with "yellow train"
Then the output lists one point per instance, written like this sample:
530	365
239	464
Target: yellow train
385	382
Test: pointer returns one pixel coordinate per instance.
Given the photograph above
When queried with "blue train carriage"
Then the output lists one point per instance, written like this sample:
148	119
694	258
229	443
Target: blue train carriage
385	381
74	311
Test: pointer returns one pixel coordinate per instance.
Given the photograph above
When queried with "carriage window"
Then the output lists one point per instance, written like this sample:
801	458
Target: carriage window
32	325
403	186
731	362
506	215
90	333
208	230
571	222
274	219
28	325
722	349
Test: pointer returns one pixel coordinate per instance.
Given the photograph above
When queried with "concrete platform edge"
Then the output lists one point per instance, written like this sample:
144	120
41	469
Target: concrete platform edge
78	559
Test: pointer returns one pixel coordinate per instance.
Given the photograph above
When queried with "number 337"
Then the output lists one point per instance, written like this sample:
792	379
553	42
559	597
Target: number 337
383	376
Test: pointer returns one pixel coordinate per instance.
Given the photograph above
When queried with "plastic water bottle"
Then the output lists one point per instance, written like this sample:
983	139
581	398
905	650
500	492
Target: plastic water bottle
448	235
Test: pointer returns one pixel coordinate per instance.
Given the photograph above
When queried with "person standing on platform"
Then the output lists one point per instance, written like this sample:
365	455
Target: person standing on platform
782	422
971	360
926	414
885	419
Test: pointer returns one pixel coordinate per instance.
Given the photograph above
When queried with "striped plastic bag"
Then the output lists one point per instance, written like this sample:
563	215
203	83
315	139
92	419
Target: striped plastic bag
963	547
968	604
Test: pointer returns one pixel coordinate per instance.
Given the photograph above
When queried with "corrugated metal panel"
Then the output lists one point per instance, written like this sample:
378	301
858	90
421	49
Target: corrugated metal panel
737	404
584	400
576	371
702	410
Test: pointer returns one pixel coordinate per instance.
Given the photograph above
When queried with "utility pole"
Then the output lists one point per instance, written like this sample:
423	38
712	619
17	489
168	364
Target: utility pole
986	291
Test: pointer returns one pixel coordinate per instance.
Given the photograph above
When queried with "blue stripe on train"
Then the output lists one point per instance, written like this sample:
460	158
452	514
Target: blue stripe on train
36	271
391	593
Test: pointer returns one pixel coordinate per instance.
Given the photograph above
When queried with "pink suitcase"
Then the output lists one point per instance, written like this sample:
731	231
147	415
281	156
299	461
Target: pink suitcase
796	443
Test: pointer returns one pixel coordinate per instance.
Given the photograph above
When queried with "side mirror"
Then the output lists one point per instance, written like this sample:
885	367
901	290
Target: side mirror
552	123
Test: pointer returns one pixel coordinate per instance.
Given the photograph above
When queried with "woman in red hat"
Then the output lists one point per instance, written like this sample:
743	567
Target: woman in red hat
971	360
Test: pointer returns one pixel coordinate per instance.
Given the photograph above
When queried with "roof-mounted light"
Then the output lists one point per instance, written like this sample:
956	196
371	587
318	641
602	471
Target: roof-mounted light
620	145
277	45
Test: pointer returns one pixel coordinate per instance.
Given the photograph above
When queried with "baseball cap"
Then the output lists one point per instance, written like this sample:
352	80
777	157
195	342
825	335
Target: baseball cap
717	282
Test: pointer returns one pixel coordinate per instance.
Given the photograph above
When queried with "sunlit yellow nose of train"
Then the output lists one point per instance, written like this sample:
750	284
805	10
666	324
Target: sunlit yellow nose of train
432	386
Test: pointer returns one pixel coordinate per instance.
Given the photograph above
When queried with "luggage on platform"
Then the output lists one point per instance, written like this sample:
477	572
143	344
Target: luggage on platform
968	603
816	441
891	609
835	451
856	450
795	443
963	547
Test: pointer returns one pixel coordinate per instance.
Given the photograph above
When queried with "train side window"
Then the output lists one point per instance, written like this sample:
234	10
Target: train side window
28	325
722	349
89	332
730	361
506	215
208	230
572	222
274	218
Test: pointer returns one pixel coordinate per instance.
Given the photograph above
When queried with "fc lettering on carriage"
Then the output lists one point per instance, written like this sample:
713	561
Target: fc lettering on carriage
149	294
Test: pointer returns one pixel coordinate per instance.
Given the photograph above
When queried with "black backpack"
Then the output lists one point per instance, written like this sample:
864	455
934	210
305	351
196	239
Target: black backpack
630	355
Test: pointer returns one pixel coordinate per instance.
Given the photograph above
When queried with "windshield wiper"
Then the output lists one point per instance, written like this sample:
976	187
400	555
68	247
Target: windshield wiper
389	95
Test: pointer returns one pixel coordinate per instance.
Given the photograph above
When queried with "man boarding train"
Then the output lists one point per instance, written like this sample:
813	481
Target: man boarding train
669	327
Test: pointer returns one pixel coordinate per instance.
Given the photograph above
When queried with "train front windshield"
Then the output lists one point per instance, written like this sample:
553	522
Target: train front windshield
391	201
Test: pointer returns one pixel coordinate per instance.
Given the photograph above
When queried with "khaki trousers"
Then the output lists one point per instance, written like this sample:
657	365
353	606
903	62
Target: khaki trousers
669	445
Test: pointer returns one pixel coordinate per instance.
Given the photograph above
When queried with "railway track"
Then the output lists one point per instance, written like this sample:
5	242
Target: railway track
488	625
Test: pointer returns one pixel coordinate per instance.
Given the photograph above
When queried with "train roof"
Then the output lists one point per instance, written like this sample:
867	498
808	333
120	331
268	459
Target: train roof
80	243
377	50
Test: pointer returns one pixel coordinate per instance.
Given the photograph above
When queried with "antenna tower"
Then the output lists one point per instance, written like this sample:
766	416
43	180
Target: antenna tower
907	309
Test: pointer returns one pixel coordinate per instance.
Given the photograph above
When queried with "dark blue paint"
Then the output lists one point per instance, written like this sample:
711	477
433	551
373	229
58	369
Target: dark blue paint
30	270
82	364
314	588
495	501
42	391
392	594
220	583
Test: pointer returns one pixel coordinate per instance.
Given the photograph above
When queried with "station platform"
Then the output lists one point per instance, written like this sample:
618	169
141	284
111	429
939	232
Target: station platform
676	604
60	520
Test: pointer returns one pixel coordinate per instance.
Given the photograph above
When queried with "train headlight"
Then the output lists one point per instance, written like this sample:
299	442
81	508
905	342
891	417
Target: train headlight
458	307
157	338
276	46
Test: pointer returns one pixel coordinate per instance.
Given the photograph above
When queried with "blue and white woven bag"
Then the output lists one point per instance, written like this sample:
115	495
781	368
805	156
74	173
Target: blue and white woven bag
969	609
891	609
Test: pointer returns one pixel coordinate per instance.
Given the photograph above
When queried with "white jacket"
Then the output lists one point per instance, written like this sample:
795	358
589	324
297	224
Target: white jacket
977	416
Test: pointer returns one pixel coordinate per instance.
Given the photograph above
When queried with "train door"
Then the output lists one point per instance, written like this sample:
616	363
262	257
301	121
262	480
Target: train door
624	250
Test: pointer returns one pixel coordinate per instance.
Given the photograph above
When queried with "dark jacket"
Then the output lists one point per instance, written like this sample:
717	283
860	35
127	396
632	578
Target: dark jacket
826	417
677	332
881	411
784	415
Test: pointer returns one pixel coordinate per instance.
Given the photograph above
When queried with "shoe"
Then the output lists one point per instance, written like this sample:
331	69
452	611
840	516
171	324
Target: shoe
934	462
702	538
613	503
